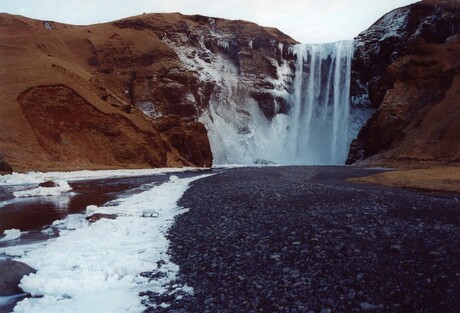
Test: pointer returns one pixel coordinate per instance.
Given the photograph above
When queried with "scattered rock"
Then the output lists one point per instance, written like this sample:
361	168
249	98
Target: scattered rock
48	184
97	216
239	251
367	307
435	253
351	295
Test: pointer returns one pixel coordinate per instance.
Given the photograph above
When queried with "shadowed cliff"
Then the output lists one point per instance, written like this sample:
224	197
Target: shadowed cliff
408	63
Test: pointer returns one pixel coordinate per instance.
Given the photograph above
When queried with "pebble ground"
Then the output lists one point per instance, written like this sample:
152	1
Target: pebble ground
302	239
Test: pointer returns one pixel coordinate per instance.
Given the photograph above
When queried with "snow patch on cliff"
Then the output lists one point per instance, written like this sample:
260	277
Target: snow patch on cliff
391	25
395	23
147	108
238	130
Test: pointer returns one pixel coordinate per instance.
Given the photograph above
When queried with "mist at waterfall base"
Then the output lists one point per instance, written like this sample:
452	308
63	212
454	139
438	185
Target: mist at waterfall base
317	128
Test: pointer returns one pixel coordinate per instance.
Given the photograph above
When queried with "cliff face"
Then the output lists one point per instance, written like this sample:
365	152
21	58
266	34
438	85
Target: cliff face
127	93
407	67
137	92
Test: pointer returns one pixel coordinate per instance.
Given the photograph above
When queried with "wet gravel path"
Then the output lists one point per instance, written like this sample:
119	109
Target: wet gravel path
301	239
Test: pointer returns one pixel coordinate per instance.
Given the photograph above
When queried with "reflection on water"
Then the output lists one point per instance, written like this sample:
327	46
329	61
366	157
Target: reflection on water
32	214
60	202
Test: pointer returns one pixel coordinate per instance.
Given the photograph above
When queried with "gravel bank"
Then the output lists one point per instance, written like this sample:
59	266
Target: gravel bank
301	239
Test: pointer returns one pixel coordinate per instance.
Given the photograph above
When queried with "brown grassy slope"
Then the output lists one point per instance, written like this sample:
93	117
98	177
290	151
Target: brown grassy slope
70	95
33	57
431	179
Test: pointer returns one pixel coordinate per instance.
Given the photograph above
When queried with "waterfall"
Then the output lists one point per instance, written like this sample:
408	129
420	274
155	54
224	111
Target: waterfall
320	104
315	130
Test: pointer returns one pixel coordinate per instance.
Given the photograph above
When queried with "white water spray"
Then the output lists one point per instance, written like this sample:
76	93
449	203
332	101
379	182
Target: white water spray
316	129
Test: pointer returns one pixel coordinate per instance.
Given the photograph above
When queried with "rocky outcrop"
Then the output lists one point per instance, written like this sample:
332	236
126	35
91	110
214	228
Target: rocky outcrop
5	168
208	49
68	128
11	273
129	93
48	184
98	216
407	67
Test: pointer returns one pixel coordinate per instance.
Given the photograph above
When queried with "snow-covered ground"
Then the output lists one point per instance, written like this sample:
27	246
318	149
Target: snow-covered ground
96	267
39	177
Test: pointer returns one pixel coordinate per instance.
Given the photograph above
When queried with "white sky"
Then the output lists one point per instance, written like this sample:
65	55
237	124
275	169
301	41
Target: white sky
308	21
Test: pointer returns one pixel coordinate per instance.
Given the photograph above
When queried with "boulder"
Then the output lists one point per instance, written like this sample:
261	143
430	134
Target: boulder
11	273
97	216
48	184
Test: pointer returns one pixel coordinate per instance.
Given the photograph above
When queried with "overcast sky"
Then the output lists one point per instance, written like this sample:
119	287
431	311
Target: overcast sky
308	21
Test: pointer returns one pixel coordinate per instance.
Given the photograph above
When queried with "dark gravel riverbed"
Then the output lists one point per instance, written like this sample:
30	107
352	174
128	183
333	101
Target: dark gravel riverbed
302	239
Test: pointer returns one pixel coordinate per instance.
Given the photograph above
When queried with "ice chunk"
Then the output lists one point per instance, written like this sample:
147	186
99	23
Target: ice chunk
11	234
61	187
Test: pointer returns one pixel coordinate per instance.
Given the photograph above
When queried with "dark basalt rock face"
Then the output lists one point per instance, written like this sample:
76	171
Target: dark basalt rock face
405	67
192	147
392	37
48	184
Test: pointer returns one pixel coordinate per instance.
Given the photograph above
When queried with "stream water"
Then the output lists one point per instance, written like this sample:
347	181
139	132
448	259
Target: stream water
34	216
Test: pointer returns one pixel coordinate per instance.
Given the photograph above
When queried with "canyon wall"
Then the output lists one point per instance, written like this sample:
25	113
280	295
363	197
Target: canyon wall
128	93
161	90
407	67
